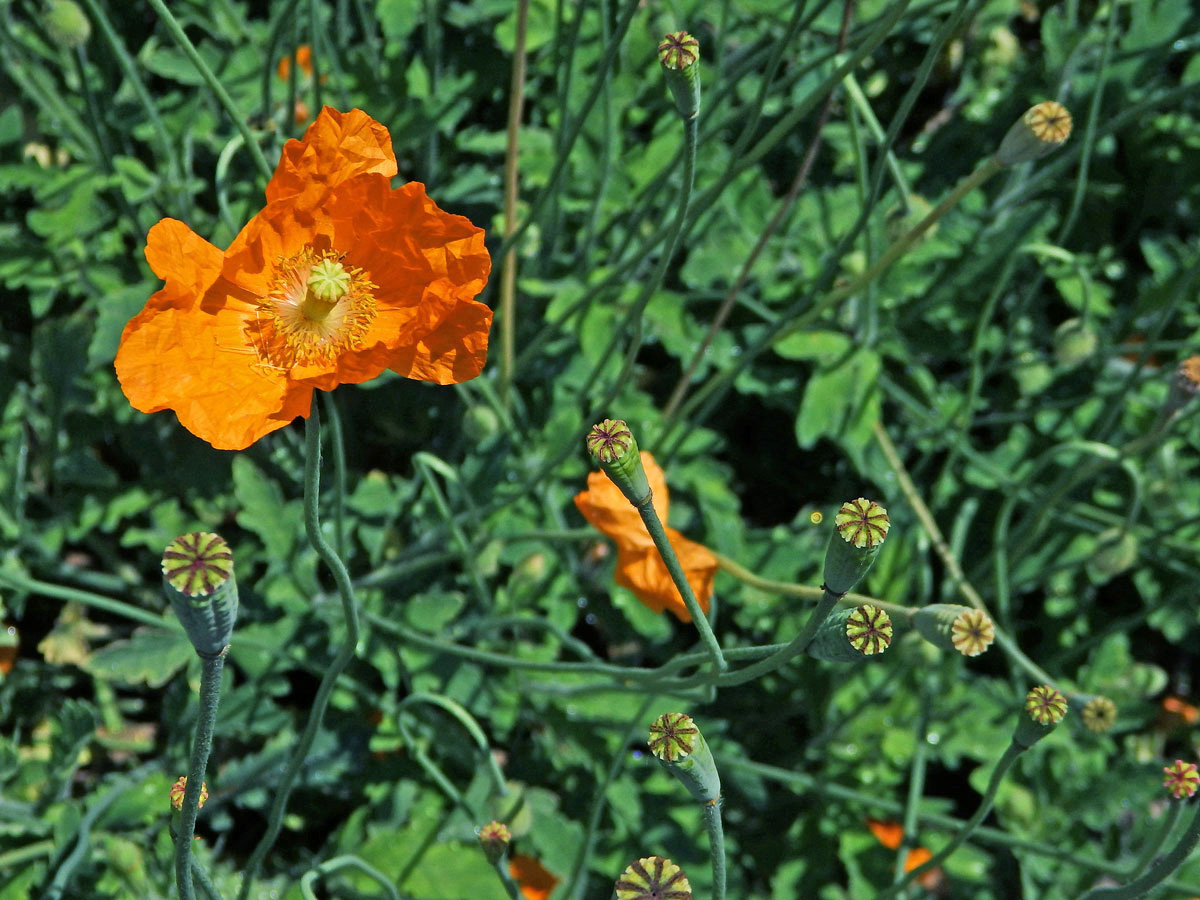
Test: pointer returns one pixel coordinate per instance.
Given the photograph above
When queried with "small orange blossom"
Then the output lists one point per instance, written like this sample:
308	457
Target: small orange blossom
639	567
303	60
338	278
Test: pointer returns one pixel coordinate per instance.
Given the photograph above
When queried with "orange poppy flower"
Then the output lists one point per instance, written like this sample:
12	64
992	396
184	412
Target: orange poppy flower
534	879
890	834
639	567
303	60
338	278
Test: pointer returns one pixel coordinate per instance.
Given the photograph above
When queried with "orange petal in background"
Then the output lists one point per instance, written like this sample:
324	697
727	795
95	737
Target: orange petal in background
535	880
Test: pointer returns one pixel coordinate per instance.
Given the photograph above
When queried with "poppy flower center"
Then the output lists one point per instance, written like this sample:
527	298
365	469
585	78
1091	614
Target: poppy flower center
317	308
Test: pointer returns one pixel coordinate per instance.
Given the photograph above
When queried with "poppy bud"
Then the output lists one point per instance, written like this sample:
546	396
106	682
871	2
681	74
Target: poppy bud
494	839
612	445
1044	709
652	878
1116	552
852	634
861	525
66	23
1098	714
198	581
679	53
1074	342
480	423
677	743
1181	779
952	627
1042	128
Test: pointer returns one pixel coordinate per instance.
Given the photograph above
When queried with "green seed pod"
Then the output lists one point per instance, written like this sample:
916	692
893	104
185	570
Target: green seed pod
1099	714
1040	130
198	582
953	627
1044	709
677	743
1181	779
679	53
851	635
861	526
1074	342
652	878
66	23
612	445
1116	552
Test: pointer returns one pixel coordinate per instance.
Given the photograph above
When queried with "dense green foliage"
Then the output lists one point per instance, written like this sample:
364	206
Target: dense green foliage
1034	446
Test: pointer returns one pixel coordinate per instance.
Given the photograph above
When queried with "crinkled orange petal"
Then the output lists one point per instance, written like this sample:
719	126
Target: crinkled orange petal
185	261
643	572
335	148
196	363
535	880
607	510
890	834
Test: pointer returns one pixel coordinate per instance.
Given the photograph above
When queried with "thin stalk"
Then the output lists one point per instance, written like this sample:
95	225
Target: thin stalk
468	722
797	645
1175	858
716	846
345	862
1154	845
508	277
312	527
19	582
985	806
510	887
214	84
210	696
659	535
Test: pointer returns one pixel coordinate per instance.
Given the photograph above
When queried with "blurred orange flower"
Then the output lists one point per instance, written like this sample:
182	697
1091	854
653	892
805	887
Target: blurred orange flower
303	60
536	882
338	278
890	834
639	567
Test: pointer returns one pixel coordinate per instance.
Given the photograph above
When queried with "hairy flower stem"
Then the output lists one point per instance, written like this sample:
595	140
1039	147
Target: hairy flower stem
716	847
985	806
508	277
659	535
210	695
312	527
1171	861
510	887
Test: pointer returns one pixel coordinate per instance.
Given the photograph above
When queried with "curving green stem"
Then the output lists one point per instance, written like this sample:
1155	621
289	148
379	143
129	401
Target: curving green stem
312	527
985	806
659	535
1173	859
716	847
345	862
210	695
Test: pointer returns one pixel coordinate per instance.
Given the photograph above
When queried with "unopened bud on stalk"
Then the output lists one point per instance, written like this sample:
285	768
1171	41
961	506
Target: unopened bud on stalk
1041	129
180	787
1181	779
851	635
677	743
1074	342
1098	714
494	839
1044	709
652	878
198	582
66	23
951	627
860	527
612	445
679	53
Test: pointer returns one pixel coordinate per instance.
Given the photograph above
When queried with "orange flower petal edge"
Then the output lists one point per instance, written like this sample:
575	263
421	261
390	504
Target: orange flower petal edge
639	566
339	278
535	880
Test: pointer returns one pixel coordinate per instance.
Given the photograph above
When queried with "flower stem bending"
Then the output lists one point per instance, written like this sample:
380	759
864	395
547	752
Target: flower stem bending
210	695
312	527
659	535
1165	866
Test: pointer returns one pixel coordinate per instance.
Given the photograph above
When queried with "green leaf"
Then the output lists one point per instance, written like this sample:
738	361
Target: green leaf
264	511
150	657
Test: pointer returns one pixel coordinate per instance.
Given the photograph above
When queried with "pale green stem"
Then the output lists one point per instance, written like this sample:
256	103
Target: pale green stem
210	695
345	862
1175	858
716	847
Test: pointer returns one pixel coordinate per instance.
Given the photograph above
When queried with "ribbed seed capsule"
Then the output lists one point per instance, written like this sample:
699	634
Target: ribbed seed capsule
1042	128
1044	708
677	743
612	445
1099	714
860	528
652	878
851	635
679	53
952	627
198	582
1181	778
